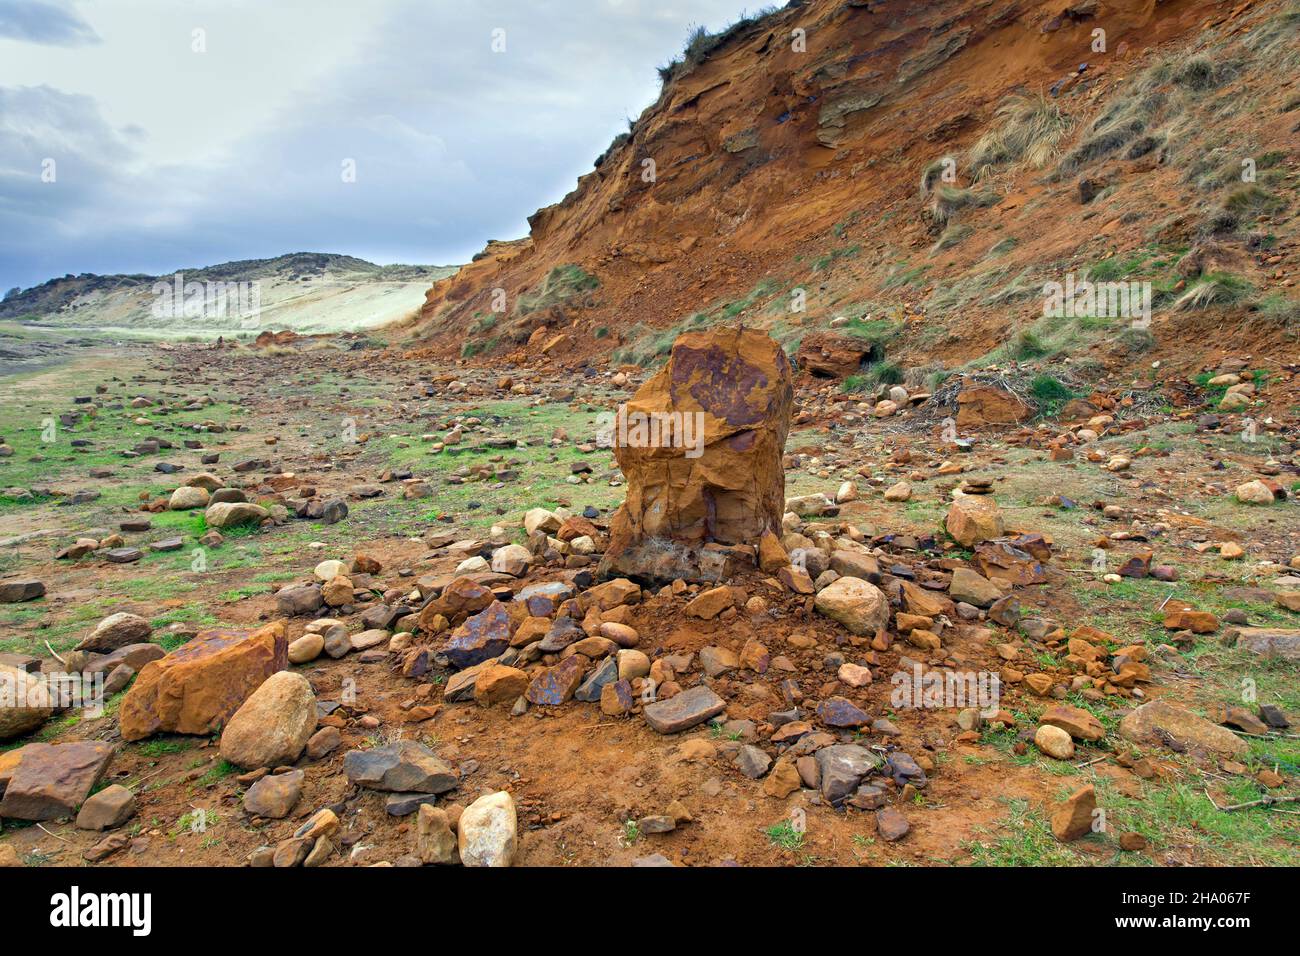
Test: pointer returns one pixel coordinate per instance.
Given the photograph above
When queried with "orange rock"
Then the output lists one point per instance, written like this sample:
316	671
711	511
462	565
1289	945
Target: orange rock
772	555
1198	622
461	598
577	526
974	518
500	684
532	629
731	391
1073	818
1040	684
711	603
986	405
197	687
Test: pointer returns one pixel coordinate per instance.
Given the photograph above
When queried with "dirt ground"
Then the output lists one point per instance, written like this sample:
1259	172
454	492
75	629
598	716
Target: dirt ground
338	419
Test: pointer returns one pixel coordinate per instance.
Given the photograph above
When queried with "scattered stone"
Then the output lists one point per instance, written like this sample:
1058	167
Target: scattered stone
974	518
54	780
187	498
197	687
973	588
275	795
14	592
17	685
752	762
403	767
110	807
1132	842
1159	723
556	685
1075	721
231	514
306	649
487	831
434	841
298	600
324	742
1073	818
840	712
1255	493
783	780
683	711
1054	742
1278	642
483	636
106	847
841	768
498	684
271	728
116	630
859	606
891	825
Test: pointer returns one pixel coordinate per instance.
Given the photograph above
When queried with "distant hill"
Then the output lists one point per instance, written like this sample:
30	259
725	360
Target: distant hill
304	291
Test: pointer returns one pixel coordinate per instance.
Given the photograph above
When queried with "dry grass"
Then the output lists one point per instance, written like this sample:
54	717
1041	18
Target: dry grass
1031	127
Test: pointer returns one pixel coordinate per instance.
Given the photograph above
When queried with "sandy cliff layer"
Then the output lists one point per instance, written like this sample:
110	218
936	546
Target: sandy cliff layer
778	169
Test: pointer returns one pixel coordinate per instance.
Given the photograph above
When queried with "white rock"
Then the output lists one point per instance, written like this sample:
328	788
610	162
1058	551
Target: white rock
1254	493
488	831
329	570
539	519
1054	742
186	498
512	559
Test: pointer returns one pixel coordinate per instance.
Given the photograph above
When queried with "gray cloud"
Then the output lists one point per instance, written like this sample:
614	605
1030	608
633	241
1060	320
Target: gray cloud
46	22
453	144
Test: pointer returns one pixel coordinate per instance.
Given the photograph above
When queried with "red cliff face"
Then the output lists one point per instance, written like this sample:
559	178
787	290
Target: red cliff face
776	179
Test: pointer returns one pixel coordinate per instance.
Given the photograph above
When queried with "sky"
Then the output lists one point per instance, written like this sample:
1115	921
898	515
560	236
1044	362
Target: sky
146	136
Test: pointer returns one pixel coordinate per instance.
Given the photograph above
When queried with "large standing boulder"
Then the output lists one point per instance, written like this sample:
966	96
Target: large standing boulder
700	445
24	702
273	726
197	687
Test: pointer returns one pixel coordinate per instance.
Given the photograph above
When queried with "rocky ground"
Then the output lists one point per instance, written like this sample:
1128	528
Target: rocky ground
345	608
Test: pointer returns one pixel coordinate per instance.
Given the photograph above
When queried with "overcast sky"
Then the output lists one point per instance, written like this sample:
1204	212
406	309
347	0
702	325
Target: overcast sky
166	157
